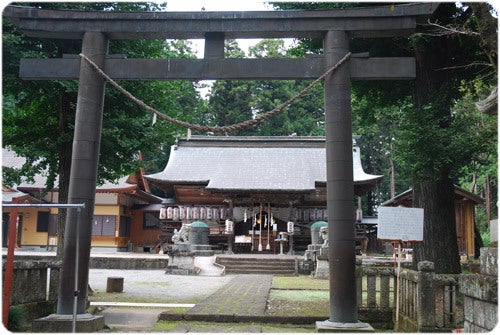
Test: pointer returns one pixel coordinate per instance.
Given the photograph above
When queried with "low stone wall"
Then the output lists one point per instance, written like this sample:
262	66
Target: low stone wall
34	286
480	293
131	262
128	263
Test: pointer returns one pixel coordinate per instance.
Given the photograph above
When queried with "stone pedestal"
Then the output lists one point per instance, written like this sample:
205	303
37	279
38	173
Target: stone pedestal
181	262
322	270
340	327
62	323
201	250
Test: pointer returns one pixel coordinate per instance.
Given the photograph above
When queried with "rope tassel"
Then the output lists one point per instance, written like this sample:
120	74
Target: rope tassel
216	129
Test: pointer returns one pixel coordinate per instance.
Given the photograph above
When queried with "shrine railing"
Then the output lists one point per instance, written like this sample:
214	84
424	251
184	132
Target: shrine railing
378	287
428	301
376	298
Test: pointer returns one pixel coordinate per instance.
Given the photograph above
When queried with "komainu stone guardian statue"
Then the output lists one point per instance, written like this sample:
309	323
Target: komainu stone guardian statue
323	233
181	236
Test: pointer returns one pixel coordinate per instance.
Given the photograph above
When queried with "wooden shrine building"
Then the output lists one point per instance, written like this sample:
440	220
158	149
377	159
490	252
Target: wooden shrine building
465	203
282	179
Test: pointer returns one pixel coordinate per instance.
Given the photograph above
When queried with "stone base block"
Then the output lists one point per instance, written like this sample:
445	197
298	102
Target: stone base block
340	327
59	323
114	284
181	263
322	269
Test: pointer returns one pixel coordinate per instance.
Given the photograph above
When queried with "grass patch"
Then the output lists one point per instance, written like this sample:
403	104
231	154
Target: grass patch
217	327
165	326
270	328
300	283
176	310
298	302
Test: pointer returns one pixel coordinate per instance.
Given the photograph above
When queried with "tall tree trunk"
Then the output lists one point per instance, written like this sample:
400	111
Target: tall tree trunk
440	236
434	190
65	150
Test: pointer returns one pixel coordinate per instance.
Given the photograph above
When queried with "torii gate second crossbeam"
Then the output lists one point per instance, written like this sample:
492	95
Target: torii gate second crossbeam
335	27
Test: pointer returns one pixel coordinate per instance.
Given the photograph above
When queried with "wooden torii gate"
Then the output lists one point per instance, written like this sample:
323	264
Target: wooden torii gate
335	27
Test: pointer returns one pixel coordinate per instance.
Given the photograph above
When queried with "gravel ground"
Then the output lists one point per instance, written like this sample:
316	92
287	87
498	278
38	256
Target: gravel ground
155	286
148	286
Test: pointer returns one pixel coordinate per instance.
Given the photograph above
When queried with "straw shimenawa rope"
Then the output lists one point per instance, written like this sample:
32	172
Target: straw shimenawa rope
215	129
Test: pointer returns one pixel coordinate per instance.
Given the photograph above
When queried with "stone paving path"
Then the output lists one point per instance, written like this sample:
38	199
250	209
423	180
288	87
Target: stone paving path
243	295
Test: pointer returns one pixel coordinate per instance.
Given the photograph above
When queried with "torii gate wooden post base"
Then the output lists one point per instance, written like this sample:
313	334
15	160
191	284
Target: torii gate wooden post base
335	27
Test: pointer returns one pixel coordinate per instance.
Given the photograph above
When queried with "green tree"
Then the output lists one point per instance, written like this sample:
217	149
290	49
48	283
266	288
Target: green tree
429	144
238	100
38	117
230	100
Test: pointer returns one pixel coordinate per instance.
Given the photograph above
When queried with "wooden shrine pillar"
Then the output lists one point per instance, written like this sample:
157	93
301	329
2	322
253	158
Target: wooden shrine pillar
82	185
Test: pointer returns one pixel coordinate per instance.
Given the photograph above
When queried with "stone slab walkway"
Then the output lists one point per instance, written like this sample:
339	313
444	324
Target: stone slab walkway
244	295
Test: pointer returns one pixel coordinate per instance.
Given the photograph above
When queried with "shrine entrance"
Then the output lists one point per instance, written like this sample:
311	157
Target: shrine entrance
336	28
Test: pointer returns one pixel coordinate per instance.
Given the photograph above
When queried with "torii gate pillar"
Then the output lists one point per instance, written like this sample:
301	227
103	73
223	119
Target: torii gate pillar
72	304
340	191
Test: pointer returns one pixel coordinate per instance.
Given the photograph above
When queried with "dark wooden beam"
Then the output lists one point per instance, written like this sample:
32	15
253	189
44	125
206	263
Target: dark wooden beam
390	68
360	22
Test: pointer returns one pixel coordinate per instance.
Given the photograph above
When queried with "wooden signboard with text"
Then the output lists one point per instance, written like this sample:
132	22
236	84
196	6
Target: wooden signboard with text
400	224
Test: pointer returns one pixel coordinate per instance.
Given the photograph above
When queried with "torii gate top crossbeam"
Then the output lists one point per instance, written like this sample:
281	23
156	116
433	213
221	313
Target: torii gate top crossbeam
360	22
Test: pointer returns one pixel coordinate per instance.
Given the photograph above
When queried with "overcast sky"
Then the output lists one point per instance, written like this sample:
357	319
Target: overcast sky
218	6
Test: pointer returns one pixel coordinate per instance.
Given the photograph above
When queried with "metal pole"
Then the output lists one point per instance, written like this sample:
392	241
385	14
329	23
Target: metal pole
77	260
44	205
340	187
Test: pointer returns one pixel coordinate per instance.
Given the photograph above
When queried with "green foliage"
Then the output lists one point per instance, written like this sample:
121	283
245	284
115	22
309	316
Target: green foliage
236	101
35	110
18	316
485	236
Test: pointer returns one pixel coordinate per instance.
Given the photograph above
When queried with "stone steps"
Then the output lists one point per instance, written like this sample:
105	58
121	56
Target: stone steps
258	265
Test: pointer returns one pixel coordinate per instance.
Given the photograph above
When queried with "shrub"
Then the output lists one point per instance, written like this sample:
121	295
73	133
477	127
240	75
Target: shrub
17	318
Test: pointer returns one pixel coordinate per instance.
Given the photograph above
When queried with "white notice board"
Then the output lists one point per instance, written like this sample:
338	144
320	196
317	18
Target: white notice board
400	223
